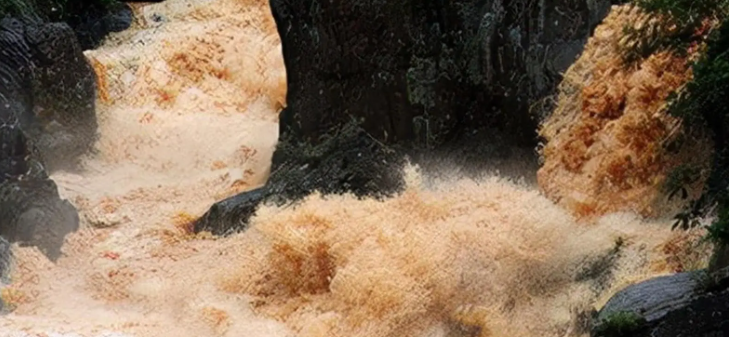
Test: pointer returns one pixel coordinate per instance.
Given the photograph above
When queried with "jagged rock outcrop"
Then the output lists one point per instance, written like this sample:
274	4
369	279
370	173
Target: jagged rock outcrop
64	94
33	214
349	161
426	72
686	304
45	84
51	89
417	76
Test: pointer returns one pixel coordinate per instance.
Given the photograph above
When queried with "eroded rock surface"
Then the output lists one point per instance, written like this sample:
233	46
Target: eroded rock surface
46	87
351	161
64	93
50	89
426	72
686	304
417	77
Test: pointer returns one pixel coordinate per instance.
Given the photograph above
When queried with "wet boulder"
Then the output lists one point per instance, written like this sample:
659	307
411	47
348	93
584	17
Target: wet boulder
64	95
33	214
31	209
349	161
50	89
417	77
692	304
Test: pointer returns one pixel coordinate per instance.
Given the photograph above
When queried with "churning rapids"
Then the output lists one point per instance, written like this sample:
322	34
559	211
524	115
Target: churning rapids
188	105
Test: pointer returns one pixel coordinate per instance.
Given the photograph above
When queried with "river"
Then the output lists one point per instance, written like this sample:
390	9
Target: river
188	115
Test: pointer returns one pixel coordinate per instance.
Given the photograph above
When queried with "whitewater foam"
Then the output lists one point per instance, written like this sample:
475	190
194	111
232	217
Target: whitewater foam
450	257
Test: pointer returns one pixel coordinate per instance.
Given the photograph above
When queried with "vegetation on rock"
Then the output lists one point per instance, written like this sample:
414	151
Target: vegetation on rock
656	91
602	148
426	77
700	104
619	324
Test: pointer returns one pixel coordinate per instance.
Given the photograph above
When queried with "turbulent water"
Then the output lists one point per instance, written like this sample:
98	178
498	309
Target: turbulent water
188	108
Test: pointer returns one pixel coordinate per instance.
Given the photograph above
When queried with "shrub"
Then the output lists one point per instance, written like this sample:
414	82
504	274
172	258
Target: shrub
701	105
679	26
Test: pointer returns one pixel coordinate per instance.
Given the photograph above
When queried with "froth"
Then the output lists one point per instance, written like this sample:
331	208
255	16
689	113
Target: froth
492	255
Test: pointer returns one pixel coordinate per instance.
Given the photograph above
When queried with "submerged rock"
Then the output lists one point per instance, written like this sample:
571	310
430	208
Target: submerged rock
686	304
423	77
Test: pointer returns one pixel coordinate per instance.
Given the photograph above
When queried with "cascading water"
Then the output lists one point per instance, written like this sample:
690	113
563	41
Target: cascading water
188	101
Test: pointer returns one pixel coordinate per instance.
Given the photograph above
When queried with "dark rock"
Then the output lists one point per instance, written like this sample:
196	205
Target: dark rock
423	77
349	161
6	257
50	89
720	257
64	95
31	69
91	20
686	304
426	72
94	20
228	215
16	102
31	210
33	214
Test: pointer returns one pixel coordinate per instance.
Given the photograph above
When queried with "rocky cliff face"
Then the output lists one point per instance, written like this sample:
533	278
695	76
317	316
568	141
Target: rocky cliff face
47	115
412	75
426	72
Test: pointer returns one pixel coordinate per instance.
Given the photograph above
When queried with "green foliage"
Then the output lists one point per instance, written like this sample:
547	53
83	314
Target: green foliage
619	324
718	232
670	25
702	106
679	178
690	12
